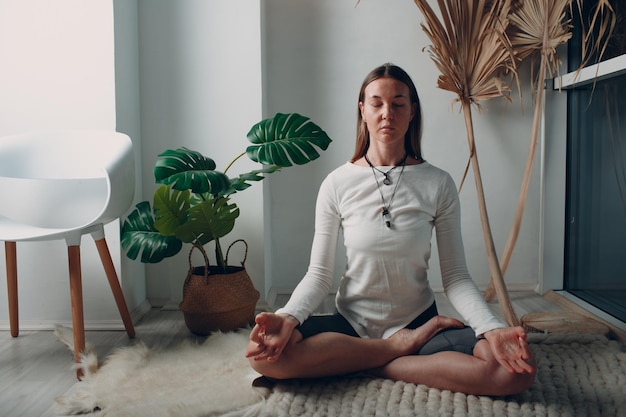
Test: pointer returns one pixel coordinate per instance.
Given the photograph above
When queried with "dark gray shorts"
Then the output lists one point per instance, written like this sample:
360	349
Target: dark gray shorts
458	340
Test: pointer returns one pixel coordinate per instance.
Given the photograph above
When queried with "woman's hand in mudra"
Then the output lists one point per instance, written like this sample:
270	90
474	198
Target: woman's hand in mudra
511	350
271	333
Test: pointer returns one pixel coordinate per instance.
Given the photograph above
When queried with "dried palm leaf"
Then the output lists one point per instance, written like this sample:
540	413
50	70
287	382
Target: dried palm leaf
471	49
603	19
537	28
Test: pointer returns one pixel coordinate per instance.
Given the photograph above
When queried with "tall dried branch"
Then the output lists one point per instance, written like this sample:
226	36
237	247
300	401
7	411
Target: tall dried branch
471	50
537	28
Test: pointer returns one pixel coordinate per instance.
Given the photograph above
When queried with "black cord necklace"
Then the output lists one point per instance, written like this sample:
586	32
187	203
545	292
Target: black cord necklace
385	209
387	180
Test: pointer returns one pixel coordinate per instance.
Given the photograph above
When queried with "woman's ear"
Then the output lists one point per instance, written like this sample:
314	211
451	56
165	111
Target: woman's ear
413	110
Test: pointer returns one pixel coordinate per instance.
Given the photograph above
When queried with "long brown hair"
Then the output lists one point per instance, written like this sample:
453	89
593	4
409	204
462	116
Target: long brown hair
413	136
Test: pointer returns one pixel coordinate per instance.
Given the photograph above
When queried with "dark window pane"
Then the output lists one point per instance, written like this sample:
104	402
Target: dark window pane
595	267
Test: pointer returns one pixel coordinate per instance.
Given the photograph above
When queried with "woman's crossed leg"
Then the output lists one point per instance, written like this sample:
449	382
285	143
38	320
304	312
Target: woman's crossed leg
330	353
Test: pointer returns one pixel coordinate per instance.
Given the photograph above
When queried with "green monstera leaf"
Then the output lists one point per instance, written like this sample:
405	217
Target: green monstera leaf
171	208
286	139
241	182
185	169
138	235
209	220
192	205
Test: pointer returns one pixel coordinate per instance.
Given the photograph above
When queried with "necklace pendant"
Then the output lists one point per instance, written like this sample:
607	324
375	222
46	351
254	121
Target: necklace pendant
387	180
386	216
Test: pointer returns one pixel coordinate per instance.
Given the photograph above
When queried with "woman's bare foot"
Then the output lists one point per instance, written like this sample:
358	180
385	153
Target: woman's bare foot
407	341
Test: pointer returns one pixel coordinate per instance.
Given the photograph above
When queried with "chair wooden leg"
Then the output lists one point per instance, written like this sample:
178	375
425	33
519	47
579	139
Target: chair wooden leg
109	269
10	249
76	296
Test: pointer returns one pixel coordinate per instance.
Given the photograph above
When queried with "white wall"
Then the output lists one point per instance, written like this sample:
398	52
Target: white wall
200	66
127	105
553	170
57	71
316	54
198	74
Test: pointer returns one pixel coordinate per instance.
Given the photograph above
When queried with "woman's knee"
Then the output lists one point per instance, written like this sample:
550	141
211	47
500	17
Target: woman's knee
511	383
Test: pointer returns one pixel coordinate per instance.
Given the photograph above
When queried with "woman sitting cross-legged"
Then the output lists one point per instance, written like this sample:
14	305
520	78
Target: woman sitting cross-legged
387	200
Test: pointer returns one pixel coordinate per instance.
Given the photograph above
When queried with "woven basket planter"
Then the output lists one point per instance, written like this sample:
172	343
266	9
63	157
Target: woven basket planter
218	300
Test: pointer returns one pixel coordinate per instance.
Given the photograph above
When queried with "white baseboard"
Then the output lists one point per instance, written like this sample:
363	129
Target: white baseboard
90	325
263	305
38	325
138	312
173	305
273	294
170	305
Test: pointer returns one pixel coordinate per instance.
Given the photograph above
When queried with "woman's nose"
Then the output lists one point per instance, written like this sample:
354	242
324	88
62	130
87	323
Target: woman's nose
387	113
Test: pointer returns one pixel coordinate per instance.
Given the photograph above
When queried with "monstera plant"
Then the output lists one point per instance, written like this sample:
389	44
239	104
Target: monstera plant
193	204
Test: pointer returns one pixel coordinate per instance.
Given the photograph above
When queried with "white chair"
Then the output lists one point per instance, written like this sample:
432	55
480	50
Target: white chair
62	185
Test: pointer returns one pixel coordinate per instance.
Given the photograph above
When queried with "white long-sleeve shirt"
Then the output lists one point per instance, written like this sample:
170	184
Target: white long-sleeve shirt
385	284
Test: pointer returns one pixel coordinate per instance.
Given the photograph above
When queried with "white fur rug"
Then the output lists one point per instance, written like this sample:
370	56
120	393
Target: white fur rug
208	379
578	375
